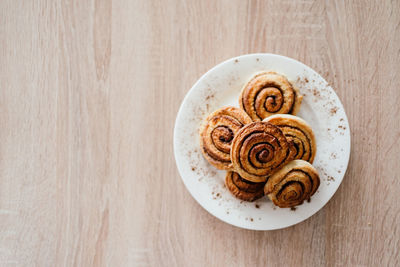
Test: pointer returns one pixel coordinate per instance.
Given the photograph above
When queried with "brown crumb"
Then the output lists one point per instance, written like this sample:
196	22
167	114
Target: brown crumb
342	127
316	93
274	208
257	206
227	212
236	60
257	59
210	97
341	119
301	81
339	171
251	219
329	129
218	194
293	208
333	155
333	110
330	178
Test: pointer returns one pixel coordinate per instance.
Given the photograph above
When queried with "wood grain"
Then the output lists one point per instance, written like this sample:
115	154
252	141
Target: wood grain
88	98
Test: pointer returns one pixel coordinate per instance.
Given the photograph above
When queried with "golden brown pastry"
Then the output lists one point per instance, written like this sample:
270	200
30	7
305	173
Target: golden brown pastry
299	132
269	93
243	189
290	186
258	150
217	133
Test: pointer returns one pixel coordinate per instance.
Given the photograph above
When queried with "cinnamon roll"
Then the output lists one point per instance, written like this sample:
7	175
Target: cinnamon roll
269	93
217	133
299	132
290	186
259	149
243	189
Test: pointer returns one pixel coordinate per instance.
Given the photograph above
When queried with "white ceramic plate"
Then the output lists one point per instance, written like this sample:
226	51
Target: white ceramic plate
221	86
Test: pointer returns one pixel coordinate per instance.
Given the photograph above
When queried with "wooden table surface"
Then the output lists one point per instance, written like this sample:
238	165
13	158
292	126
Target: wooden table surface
88	98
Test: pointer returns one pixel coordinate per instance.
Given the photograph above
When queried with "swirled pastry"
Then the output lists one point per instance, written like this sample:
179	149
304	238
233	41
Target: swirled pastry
258	150
269	93
290	186
217	133
299	132
243	189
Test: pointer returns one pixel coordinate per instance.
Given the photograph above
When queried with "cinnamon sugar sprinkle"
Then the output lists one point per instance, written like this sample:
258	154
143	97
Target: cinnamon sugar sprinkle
316	92
208	97
333	110
330	178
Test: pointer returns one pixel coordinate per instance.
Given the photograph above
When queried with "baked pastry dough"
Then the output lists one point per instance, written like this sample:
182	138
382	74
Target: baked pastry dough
290	186
243	189
299	132
217	133
258	150
269	93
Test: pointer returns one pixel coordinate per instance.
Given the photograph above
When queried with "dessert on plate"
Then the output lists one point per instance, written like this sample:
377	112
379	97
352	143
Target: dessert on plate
264	147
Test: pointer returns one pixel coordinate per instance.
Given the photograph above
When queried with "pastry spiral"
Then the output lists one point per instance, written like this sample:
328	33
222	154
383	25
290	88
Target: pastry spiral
290	186
269	93
217	134
259	149
243	189
299	132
